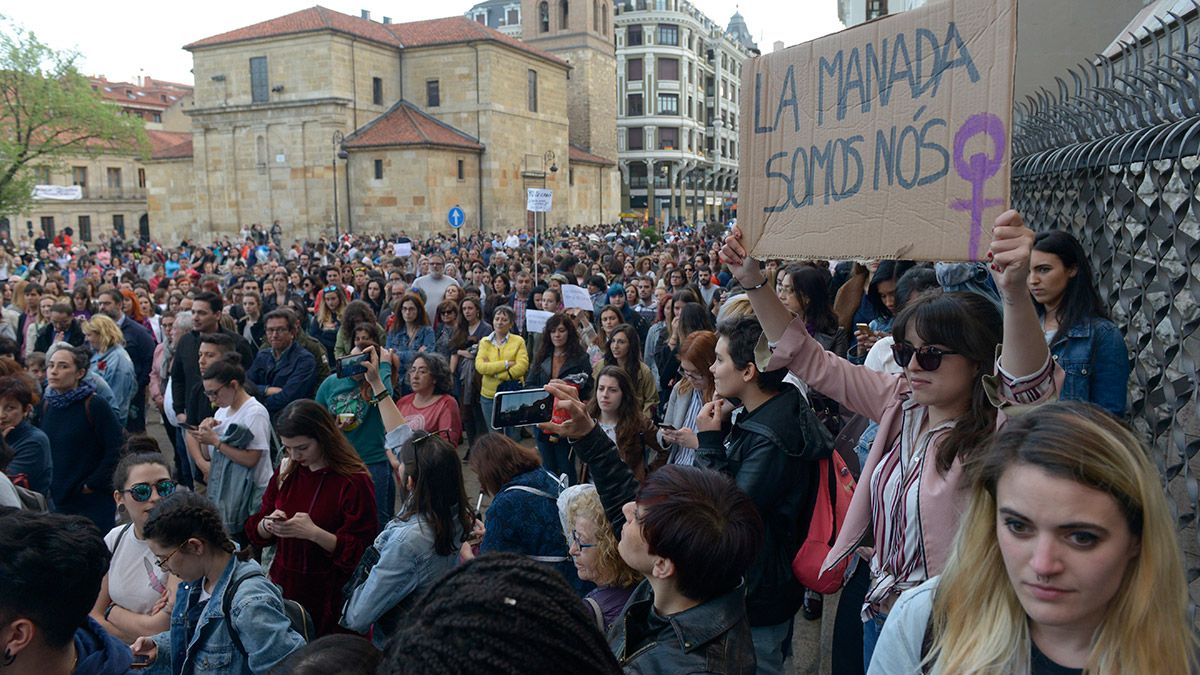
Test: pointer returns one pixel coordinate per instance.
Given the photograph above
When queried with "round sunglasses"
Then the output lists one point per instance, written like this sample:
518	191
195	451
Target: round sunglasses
929	358
141	492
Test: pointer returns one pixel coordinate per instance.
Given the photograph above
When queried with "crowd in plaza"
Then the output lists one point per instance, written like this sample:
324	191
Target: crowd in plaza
324	401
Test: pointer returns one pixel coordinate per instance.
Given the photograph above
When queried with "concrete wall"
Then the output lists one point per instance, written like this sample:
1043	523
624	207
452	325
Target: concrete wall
417	191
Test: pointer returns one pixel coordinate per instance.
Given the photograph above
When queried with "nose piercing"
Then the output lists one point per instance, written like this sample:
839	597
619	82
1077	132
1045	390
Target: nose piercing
1041	579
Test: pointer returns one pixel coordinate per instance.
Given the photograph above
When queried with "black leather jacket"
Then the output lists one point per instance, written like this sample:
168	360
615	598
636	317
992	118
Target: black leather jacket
771	453
713	637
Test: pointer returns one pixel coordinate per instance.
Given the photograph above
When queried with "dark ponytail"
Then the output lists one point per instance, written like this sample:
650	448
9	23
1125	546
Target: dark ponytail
185	515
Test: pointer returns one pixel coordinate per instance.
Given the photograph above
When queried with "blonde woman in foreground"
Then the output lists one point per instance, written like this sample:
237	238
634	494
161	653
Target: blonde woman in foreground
1066	562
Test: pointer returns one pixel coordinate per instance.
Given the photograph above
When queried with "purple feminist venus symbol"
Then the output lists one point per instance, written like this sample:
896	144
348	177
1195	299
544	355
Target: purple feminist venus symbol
977	170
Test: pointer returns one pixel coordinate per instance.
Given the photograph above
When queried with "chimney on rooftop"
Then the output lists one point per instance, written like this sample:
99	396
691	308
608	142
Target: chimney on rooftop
366	14
387	19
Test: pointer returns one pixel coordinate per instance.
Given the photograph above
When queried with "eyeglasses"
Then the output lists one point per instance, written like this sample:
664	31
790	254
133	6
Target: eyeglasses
211	394
579	544
330	289
929	358
141	491
161	563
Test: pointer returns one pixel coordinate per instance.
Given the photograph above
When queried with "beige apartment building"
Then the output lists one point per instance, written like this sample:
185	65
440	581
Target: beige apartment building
326	121
112	183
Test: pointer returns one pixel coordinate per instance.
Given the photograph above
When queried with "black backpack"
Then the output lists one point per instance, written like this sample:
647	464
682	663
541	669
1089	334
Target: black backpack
299	617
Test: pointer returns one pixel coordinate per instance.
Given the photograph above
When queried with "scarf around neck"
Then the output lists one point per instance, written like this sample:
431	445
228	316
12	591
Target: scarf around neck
59	400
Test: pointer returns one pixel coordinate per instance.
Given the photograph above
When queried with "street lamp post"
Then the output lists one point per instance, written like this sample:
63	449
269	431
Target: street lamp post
338	138
547	160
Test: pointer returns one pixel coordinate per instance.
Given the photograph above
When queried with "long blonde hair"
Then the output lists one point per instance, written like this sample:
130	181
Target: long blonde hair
979	625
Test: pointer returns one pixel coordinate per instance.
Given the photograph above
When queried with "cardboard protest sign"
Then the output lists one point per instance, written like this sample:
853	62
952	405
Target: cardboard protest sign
887	140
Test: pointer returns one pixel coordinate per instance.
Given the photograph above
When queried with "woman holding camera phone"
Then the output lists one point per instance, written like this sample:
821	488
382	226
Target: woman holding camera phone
348	399
417	547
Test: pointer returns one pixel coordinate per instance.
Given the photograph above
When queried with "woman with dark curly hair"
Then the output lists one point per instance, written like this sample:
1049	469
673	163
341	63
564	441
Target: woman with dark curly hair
431	407
226	613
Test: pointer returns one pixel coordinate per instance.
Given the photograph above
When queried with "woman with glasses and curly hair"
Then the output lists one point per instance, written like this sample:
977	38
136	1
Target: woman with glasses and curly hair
431	407
409	335
228	617
1066	562
592	545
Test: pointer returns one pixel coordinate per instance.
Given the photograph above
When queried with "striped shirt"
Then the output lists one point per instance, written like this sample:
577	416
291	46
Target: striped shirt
898	559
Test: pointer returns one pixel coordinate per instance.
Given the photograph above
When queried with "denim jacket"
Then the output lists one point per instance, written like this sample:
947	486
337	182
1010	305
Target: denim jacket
116	368
408	564
1096	362
408	348
256	612
294	371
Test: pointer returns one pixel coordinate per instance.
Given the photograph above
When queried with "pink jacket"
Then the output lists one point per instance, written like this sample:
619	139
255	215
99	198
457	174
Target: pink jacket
881	396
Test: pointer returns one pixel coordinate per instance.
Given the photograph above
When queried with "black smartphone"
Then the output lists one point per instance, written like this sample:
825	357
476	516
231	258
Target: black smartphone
666	427
189	427
349	366
522	408
140	661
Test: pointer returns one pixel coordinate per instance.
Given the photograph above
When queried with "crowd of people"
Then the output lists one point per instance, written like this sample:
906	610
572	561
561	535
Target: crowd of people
327	402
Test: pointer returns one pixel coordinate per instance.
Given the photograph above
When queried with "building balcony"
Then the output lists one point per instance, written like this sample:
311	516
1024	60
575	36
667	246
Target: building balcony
96	193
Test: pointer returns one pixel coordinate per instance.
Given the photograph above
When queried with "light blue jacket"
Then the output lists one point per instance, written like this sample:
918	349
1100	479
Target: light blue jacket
116	369
256	614
408	565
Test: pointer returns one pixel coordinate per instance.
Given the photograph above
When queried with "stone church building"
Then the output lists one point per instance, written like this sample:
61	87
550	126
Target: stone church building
322	120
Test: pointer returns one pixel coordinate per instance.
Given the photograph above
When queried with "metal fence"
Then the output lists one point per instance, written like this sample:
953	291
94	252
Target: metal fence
1112	157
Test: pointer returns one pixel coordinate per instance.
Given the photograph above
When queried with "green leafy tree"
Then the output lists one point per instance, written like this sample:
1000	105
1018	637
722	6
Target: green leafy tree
49	112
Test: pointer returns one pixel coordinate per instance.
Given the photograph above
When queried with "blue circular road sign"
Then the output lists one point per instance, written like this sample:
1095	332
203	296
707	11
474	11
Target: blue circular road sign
456	217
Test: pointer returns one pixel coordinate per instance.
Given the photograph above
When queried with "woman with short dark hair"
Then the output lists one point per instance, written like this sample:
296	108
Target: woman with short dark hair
85	439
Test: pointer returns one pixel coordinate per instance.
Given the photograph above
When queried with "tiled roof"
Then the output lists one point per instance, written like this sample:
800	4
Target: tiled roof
405	124
305	21
161	140
177	151
450	30
581	156
454	29
156	94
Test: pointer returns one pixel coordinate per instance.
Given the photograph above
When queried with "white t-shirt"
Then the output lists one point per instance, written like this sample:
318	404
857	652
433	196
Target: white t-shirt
254	417
134	581
880	357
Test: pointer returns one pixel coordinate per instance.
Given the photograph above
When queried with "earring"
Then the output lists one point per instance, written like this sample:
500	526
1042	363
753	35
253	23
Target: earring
8	659
121	508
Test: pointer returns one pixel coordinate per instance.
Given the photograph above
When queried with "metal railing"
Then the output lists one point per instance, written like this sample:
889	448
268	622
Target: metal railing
1111	156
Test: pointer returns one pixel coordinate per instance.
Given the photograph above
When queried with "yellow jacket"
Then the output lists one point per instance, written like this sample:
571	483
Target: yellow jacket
489	362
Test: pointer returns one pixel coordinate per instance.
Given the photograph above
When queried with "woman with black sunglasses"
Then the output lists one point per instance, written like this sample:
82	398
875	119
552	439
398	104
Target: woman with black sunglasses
136	597
934	419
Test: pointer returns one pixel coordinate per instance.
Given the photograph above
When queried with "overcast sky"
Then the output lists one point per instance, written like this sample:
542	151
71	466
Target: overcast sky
124	38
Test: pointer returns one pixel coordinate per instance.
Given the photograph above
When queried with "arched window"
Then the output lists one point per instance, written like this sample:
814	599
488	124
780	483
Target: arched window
604	18
596	15
544	17
562	15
